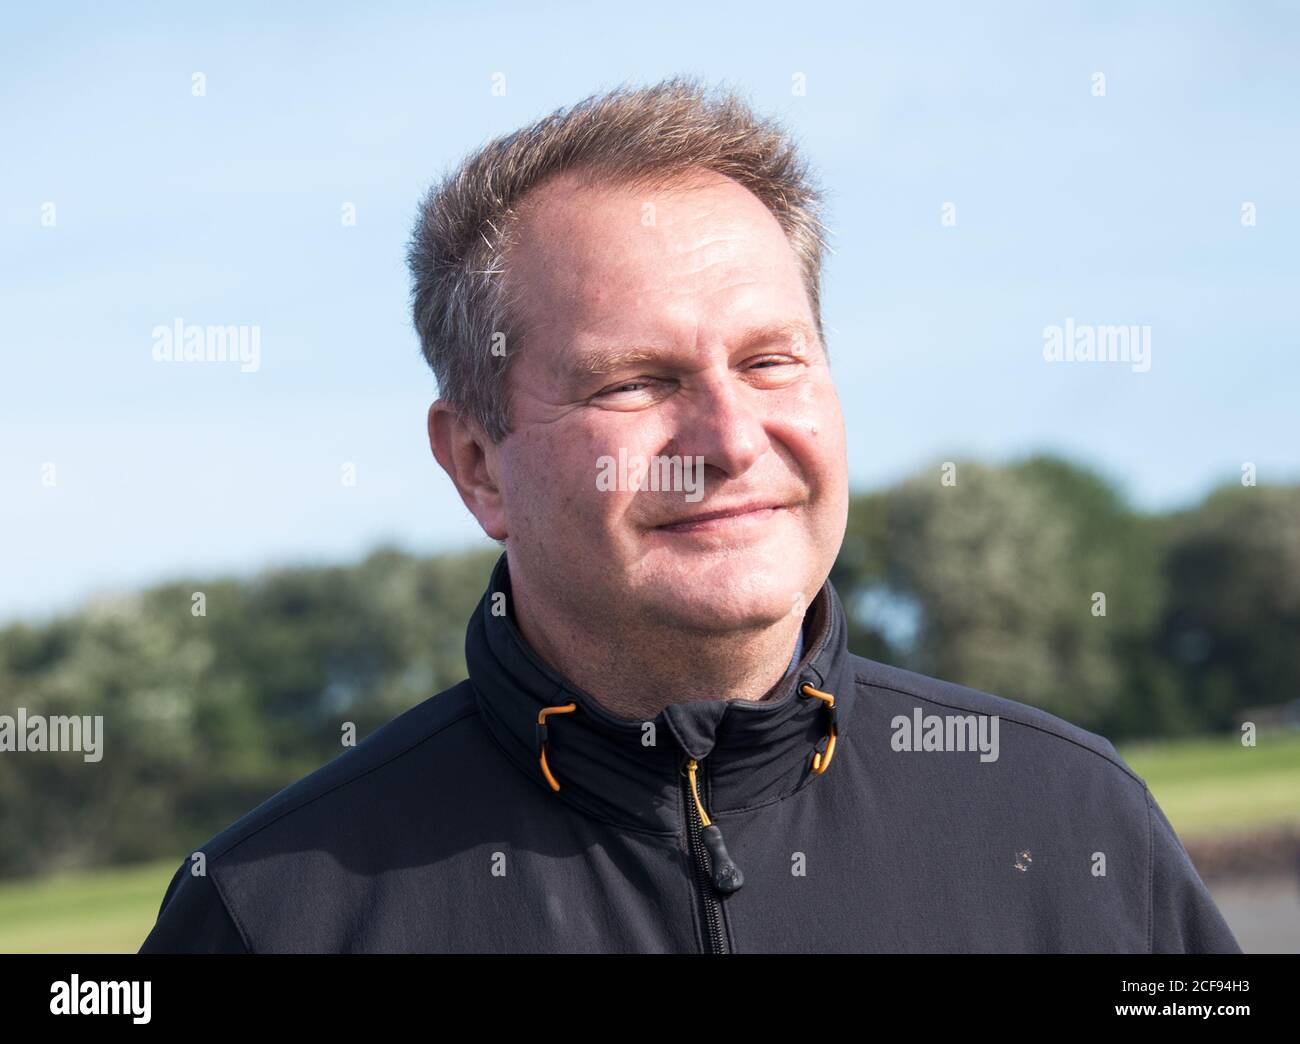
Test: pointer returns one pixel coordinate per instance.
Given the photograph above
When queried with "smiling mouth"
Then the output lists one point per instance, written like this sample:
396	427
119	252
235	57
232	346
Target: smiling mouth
741	515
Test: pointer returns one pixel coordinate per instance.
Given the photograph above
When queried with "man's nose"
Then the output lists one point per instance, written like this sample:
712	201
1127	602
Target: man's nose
722	423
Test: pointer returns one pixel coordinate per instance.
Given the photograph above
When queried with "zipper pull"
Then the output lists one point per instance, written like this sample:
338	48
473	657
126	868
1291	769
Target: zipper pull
723	871
726	874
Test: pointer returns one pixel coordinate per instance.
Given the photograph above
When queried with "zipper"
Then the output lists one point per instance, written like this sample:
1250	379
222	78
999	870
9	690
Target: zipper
706	890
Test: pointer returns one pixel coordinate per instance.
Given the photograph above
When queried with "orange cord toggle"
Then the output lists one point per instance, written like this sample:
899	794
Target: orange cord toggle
821	762
541	739
691	766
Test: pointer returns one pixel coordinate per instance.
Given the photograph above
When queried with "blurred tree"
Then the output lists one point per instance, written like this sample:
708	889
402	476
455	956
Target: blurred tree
205	716
1232	625
995	581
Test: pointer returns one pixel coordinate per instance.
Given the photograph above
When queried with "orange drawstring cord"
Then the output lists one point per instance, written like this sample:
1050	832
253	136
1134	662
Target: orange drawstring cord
695	791
541	739
821	762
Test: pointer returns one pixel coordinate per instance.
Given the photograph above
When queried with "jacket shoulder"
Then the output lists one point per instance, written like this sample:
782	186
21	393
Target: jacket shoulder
194	918
895	682
1079	778
410	730
195	915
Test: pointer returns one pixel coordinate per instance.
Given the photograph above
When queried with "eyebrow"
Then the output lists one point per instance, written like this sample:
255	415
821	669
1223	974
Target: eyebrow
600	361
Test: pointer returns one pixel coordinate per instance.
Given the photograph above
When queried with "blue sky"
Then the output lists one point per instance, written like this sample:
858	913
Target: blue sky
225	209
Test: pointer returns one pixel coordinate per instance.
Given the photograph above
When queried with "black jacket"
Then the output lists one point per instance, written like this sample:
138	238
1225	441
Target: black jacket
443	831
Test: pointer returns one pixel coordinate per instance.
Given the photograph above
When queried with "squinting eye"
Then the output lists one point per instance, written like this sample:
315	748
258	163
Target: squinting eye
624	387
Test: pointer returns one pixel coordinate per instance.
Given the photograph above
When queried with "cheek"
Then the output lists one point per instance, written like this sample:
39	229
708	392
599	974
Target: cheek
560	482
615	465
815	428
828	413
530	482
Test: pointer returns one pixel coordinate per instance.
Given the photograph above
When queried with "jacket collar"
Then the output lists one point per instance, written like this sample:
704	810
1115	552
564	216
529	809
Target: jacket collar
629	772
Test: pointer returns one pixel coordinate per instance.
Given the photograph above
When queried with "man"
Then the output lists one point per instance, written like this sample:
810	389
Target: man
621	307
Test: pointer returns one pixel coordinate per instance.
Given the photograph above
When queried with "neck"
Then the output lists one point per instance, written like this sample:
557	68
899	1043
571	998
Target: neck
635	673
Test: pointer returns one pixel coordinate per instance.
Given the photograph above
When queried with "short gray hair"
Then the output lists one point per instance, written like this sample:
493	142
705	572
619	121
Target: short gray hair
647	137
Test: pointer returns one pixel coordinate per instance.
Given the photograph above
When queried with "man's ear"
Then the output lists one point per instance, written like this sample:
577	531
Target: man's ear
468	456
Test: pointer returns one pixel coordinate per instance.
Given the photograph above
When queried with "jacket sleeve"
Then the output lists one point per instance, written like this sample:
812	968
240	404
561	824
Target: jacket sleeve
1184	918
193	919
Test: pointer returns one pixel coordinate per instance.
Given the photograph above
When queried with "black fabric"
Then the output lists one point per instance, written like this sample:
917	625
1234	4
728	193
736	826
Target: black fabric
440	833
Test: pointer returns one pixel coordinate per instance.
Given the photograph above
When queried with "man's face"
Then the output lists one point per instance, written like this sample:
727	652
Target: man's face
699	293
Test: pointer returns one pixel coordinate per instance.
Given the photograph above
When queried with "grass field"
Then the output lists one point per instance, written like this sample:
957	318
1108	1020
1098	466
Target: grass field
1217	786
100	911
1204	786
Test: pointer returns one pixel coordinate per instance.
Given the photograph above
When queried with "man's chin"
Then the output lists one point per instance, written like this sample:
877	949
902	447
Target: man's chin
726	593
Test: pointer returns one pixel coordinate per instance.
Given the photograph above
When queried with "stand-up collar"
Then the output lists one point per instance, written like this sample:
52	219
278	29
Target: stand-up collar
629	771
